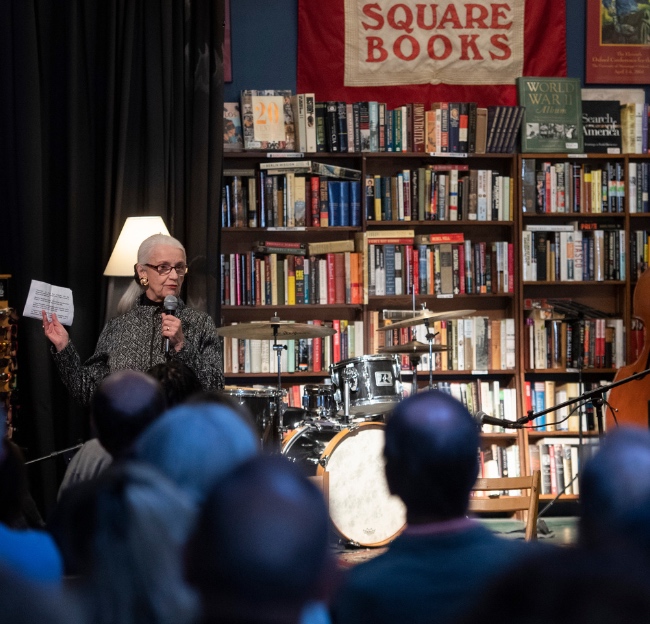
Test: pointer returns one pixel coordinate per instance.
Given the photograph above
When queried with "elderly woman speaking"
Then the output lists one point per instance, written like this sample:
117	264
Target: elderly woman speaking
144	334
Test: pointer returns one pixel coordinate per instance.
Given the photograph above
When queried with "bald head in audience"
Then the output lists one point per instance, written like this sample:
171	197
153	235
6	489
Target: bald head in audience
443	557
259	552
431	456
124	404
615	493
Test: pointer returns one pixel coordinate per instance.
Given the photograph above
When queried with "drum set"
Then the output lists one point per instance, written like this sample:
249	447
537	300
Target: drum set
339	432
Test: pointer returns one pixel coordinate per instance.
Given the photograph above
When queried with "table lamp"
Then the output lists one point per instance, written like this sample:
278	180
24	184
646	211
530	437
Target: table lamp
125	255
125	252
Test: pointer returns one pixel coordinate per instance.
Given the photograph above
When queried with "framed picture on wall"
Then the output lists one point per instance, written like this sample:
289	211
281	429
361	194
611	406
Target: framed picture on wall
618	41
227	58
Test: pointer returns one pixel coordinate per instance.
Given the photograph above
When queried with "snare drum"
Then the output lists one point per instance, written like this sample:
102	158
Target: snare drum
260	402
361	508
375	384
319	401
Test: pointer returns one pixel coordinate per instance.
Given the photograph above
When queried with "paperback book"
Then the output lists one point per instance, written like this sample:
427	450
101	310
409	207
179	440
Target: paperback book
233	139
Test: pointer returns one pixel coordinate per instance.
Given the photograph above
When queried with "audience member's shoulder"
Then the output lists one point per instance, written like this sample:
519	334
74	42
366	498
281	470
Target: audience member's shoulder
25	602
87	463
567	586
32	554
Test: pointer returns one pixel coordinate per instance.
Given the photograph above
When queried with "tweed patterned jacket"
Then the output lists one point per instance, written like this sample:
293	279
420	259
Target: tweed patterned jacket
134	341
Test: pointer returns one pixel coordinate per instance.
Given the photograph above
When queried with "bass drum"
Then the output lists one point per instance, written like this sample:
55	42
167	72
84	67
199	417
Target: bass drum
351	461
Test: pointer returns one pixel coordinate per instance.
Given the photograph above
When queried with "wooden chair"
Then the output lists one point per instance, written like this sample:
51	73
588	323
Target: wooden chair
497	501
322	483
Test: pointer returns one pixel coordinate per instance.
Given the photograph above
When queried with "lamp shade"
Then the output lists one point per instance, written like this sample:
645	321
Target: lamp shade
125	252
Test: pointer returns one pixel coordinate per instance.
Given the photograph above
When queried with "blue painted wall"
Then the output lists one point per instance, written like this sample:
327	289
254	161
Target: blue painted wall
265	36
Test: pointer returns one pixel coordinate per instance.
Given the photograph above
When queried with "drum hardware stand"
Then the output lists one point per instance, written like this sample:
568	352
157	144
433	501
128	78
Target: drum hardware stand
278	429
350	384
429	336
271	331
415	359
415	362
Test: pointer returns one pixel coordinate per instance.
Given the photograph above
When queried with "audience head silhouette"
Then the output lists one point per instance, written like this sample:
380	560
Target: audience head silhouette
178	381
615	492
25	602
259	551
431	456
566	586
124	404
193	445
13	483
124	534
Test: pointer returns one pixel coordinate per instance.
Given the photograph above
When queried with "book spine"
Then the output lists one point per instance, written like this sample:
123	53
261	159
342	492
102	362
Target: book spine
341	127
332	127
321	127
331	278
419	137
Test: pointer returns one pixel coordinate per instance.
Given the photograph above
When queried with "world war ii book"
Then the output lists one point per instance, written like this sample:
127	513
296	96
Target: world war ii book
553	115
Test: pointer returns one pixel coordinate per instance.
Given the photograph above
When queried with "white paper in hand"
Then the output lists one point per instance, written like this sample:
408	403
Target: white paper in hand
43	296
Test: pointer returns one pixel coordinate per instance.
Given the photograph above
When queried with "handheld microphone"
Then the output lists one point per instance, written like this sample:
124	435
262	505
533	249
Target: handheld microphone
170	304
486	419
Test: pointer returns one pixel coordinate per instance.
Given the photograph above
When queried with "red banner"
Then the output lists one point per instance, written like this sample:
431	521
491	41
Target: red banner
322	44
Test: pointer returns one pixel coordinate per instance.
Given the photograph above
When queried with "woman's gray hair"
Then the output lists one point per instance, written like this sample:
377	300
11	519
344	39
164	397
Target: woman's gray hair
149	244
145	252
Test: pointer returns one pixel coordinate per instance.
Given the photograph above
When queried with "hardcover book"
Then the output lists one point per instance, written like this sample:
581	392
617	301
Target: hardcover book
553	114
601	124
267	120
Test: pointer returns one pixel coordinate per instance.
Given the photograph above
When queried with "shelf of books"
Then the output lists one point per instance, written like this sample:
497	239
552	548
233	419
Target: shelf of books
440	233
352	216
576	299
288	251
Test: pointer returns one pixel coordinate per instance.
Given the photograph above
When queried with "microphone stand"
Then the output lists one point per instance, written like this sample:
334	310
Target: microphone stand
52	455
597	395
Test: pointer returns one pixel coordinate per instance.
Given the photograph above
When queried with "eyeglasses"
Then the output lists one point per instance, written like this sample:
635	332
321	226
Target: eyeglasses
166	269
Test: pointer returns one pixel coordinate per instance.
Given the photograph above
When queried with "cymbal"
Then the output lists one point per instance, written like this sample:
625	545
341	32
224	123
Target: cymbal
414	346
425	315
265	331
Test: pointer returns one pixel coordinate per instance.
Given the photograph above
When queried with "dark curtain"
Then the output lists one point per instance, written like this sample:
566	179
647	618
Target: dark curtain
108	109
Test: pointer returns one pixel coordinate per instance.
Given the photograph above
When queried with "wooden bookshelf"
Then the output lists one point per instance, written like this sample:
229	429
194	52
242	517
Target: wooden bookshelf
613	296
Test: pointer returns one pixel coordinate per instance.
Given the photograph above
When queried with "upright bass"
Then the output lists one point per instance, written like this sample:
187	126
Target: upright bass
629	402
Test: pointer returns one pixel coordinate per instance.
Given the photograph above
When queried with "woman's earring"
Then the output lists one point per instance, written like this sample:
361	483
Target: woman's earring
144	282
